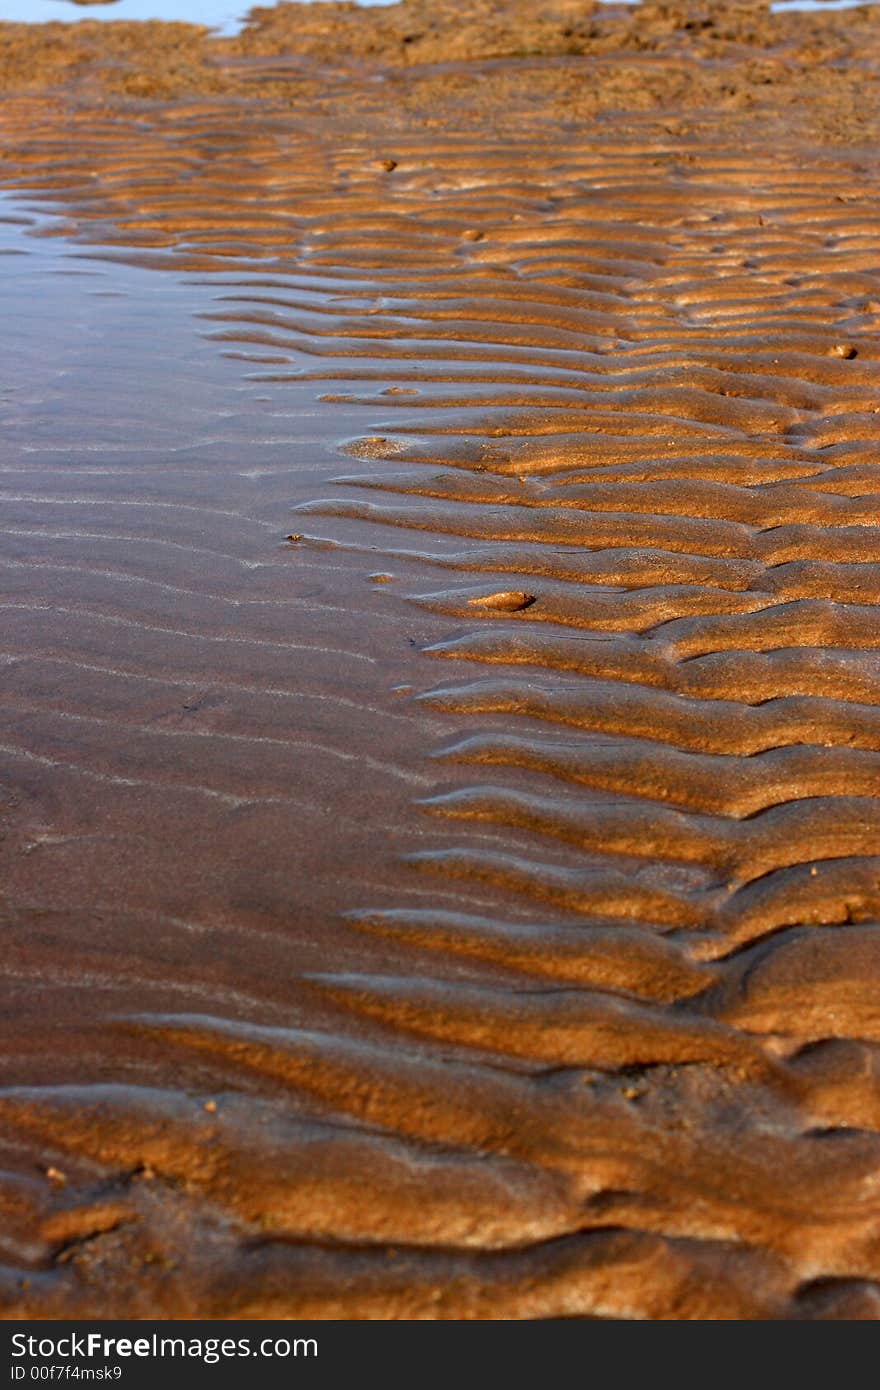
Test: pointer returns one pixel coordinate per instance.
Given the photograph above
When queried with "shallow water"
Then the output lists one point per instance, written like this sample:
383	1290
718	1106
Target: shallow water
147	478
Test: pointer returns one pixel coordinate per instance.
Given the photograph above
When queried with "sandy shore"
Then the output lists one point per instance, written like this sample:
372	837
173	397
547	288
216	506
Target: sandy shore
441	708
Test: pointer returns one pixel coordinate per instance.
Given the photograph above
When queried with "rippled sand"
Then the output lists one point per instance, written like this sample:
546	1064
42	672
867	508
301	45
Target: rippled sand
440	697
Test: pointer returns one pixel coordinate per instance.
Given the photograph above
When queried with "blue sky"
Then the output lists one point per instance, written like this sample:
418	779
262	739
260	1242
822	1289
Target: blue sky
223	13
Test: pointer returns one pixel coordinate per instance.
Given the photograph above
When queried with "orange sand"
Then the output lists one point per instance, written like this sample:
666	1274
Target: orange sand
466	908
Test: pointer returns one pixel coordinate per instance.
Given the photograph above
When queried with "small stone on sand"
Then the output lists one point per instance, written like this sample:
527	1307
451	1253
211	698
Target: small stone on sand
506	600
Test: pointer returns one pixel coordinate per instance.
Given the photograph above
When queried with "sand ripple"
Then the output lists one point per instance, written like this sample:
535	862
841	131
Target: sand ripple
547	983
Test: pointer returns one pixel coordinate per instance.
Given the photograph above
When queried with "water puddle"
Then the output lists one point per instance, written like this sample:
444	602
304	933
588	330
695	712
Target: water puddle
183	690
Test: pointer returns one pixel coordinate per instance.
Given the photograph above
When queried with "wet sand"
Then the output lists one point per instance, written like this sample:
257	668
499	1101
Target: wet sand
441	747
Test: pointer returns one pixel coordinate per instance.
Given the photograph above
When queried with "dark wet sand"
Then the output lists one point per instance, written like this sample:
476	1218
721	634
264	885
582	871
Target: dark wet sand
467	908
